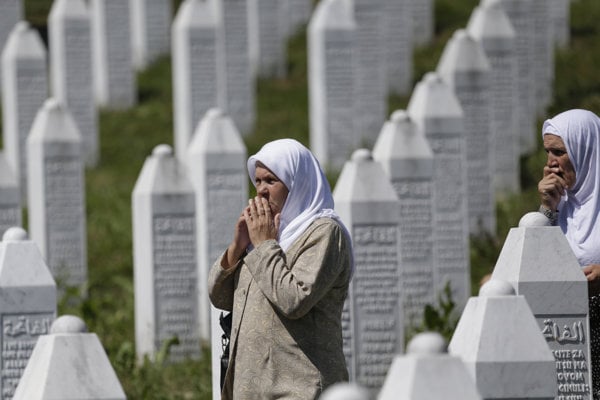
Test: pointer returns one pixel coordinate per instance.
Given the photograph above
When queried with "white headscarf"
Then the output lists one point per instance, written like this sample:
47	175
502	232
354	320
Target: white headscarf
579	211
309	194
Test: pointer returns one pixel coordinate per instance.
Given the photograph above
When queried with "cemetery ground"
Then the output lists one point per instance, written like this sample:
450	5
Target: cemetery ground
127	137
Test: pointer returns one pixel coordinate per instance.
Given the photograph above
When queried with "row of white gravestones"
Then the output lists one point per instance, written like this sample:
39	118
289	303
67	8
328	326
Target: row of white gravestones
24	90
57	217
372	320
408	163
490	25
68	362
436	111
150	22
165	261
499	340
465	67
331	37
217	169
113	72
27	305
539	263
11	12
10	204
69	30
211	66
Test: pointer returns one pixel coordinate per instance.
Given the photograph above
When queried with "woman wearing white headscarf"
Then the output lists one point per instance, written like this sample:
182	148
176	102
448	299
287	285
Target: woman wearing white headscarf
285	278
570	197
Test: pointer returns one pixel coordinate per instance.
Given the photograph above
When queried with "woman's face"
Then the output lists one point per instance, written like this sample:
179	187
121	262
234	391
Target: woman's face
269	186
558	159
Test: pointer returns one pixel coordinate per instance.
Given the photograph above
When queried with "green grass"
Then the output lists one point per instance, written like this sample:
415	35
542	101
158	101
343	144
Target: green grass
127	137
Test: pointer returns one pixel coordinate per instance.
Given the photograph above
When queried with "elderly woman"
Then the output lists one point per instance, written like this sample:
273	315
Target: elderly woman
285	277
570	197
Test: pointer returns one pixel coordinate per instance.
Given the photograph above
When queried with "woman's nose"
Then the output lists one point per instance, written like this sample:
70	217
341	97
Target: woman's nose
262	190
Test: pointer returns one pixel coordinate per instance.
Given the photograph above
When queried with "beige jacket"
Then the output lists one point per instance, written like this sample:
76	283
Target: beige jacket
286	336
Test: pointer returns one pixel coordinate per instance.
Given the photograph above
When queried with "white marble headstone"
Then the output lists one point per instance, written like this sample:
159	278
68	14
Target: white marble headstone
24	90
373	320
407	160
57	216
195	68
543	55
370	75
236	81
268	32
10	203
399	45
11	12
490	25
114	75
27	305
560	14
465	67
217	168
299	12
150	30
331	37
520	13
434	107
410	376
539	263
164	258
69	30
499	340
69	363
423	21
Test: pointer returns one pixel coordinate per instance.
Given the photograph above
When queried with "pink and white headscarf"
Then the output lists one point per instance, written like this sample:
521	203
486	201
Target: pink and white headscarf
309	194
579	211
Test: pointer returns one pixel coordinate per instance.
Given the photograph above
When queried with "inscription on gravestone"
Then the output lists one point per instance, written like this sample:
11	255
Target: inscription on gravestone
64	211
175	282
375	297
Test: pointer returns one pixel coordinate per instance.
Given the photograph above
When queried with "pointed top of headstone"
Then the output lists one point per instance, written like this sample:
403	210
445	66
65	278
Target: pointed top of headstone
162	150
434	98
489	20
69	8
333	14
462	53
427	343
162	173
362	155
496	287
216	133
532	219
24	42
68	324
195	13
345	391
15	234
54	122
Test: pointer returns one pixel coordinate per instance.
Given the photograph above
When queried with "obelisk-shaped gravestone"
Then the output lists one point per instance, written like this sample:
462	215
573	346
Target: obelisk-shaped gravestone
521	14
217	168
490	25
268	31
237	83
435	109
11	12
398	24
539	263
370	88
10	204
464	66
114	75
27	305
69	28
422	21
150	30
195	68
57	217
373	321
560	14
164	257
407	160
498	339
24	89
331	37
69	363
427	355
